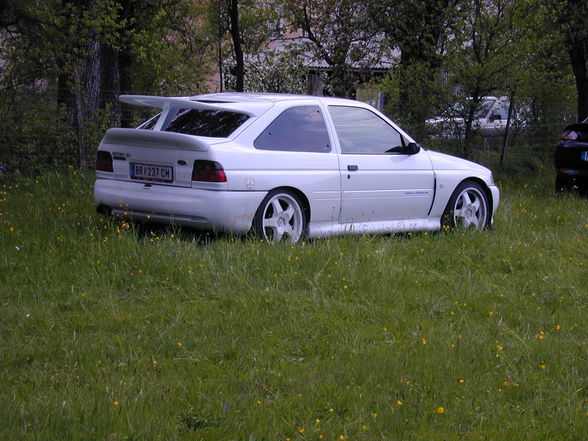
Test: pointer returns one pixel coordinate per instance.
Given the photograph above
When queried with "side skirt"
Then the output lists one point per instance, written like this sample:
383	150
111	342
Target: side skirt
323	229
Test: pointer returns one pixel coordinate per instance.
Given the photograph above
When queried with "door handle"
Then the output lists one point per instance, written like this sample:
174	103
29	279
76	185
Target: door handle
352	167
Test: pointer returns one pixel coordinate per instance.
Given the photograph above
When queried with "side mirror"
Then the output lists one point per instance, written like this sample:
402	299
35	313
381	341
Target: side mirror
495	117
412	148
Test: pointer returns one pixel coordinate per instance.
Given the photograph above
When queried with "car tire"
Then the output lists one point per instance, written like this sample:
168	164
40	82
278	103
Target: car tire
468	208
562	184
280	216
572	185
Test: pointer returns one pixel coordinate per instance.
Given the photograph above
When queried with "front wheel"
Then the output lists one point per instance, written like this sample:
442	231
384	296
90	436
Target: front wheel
280	216
467	208
562	184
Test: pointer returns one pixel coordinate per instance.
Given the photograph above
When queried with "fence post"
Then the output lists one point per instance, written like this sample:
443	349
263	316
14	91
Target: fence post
506	129
82	160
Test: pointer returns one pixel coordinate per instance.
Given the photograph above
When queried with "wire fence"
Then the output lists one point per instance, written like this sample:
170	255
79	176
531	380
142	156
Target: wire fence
37	134
39	130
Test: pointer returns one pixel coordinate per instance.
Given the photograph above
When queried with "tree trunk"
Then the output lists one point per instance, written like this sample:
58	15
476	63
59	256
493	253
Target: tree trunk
125	61
467	138
92	78
579	57
236	37
86	75
469	121
341	82
507	129
220	62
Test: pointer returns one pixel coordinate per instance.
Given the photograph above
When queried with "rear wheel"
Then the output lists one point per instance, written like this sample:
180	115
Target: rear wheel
467	208
562	184
571	184
280	216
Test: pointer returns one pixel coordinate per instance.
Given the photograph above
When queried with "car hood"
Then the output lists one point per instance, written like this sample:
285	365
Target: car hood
441	161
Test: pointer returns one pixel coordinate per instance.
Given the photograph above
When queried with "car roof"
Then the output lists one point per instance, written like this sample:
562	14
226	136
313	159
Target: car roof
249	97
253	104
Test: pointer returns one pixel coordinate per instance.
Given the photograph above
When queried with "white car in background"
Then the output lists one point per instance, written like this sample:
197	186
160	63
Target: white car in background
489	119
286	167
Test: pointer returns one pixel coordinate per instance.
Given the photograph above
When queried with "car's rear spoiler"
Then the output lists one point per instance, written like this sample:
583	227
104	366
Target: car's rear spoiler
164	102
156	139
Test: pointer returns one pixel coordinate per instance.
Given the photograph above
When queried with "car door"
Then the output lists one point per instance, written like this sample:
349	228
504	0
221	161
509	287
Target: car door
380	179
495	122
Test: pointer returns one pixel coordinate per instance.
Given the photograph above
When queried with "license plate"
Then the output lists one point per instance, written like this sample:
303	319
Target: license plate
152	172
584	156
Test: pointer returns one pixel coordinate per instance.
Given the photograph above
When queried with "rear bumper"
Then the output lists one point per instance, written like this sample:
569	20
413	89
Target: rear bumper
230	211
571	158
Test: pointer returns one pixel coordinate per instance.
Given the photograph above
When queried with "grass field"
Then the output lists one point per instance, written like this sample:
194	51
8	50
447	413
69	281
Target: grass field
108	332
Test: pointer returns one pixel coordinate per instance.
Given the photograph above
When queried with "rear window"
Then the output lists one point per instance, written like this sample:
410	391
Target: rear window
212	123
150	123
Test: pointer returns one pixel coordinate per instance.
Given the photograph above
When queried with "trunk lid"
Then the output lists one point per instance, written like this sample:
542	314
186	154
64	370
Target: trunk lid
148	156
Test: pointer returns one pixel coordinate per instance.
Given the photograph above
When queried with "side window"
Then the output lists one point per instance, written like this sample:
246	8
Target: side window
362	131
298	129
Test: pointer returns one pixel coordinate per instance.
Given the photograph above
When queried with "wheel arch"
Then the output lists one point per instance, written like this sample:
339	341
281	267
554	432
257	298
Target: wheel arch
449	219
486	191
300	194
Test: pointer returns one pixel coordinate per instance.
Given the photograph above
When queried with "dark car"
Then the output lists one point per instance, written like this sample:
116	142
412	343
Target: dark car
571	159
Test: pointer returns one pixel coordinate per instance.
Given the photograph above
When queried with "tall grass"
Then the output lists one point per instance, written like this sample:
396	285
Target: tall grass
112	332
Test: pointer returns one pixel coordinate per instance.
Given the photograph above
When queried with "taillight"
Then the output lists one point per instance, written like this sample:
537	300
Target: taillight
104	161
569	134
208	171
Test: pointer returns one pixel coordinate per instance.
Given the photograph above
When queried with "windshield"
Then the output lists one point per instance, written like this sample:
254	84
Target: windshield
483	108
458	110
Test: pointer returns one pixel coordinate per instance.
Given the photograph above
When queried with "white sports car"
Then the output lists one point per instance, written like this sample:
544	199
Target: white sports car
286	166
